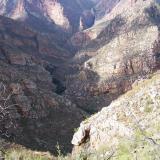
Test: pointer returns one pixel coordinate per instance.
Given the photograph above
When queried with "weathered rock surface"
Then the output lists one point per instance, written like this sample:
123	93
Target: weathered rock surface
103	7
126	48
133	116
54	13
50	90
31	113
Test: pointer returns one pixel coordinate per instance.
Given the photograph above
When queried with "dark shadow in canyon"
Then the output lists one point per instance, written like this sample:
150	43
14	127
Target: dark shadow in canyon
44	133
153	13
54	125
60	87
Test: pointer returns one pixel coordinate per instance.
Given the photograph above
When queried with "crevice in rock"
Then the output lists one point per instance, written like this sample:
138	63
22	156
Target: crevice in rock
60	87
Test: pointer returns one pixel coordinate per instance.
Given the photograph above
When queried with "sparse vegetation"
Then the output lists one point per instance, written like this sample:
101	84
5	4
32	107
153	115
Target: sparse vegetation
143	145
56	77
23	154
148	109
16	152
148	104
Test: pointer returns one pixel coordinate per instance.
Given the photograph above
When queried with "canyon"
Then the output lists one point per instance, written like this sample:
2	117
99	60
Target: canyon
62	61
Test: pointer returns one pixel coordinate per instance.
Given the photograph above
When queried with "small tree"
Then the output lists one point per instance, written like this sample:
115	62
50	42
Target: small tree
5	110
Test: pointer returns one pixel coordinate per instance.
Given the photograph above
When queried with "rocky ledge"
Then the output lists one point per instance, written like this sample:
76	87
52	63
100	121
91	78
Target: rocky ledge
127	128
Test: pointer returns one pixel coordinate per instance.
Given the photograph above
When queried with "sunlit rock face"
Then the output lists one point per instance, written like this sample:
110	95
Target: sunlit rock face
116	51
51	10
120	122
101	12
64	14
13	9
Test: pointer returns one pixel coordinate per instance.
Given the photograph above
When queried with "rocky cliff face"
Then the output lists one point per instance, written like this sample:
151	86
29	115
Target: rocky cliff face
49	88
126	129
32	113
115	53
53	13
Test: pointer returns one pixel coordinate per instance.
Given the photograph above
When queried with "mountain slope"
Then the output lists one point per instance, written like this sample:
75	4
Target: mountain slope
115	52
104	7
126	129
52	13
49	88
33	112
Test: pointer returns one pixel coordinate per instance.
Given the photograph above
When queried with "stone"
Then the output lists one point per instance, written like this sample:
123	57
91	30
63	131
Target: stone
81	135
121	119
116	57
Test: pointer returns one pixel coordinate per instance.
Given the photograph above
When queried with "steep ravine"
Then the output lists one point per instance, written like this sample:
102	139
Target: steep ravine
36	117
60	87
53	92
116	52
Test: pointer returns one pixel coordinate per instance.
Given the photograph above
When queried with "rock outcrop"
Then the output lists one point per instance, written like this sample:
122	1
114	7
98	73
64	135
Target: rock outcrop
49	85
87	20
126	48
131	122
52	13
31	111
104	7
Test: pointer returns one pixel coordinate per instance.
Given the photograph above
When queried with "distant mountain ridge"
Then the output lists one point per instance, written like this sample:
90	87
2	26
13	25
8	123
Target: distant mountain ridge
57	13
